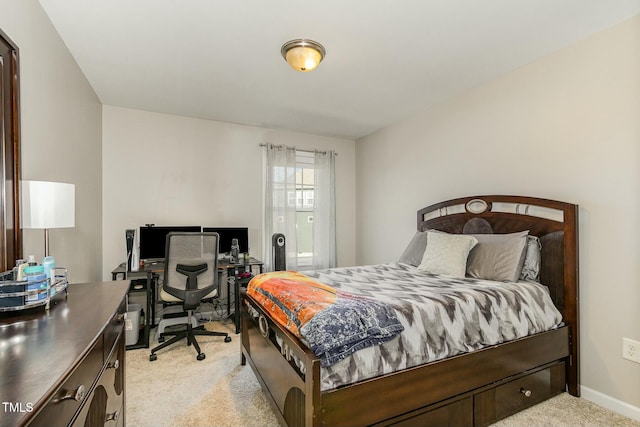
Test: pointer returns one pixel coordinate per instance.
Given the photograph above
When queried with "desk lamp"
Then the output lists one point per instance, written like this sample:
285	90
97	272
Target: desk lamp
48	205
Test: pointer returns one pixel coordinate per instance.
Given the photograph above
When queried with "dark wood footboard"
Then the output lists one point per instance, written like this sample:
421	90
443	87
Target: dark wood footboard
294	393
469	389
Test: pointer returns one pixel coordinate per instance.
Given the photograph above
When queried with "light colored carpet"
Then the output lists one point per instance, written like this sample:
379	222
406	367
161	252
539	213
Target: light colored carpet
178	391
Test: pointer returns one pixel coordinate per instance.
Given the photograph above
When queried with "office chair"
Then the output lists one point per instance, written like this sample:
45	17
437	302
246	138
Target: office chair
190	275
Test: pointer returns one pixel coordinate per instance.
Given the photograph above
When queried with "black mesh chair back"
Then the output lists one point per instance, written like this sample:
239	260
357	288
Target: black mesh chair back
191	266
190	275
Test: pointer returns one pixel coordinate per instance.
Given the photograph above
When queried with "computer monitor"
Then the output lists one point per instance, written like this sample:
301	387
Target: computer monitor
229	233
153	239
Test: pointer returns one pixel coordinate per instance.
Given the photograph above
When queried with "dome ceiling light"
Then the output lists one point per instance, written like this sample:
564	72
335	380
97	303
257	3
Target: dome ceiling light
302	54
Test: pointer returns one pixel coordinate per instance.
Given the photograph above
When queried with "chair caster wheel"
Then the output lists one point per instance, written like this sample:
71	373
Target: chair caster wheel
227	339
201	356
153	357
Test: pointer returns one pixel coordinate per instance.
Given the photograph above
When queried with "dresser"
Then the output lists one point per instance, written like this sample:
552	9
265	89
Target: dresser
66	366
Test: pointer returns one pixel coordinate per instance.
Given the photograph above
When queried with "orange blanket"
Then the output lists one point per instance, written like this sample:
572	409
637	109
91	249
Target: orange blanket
334	323
290	297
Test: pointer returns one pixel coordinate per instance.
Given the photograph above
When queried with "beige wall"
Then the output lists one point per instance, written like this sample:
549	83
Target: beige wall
172	170
565	127
61	135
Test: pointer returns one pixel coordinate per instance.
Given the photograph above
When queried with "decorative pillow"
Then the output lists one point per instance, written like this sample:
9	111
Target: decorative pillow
415	251
531	266
498	257
447	254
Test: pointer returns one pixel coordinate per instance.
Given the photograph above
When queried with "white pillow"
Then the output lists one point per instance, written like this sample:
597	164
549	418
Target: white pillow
447	254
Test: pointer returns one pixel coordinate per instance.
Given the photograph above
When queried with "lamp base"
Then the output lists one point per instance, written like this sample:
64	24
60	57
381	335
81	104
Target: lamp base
46	242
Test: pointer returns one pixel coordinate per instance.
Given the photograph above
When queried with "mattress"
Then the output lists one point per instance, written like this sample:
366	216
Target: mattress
441	316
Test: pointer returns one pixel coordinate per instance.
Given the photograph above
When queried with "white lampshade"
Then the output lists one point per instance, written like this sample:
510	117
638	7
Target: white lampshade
48	204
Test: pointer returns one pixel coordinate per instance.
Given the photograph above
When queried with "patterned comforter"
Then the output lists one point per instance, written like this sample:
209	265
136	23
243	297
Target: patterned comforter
334	323
441	316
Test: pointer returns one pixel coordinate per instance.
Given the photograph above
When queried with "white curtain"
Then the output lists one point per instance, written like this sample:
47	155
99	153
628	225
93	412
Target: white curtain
324	211
279	202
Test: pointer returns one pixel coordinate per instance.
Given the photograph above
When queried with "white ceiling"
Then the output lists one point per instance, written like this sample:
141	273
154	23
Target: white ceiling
386	59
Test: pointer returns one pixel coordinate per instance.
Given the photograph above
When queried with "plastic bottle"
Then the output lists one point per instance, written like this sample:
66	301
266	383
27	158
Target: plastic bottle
19	262
20	276
235	249
31	260
48	263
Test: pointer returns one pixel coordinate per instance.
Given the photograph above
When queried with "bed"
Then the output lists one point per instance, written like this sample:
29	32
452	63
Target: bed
474	387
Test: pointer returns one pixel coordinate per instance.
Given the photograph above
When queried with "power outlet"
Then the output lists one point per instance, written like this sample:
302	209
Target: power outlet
631	350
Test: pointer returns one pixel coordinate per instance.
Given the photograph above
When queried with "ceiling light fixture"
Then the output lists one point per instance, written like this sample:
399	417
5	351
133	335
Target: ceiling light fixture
302	54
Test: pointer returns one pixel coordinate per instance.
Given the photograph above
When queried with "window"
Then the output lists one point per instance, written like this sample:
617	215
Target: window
299	202
304	208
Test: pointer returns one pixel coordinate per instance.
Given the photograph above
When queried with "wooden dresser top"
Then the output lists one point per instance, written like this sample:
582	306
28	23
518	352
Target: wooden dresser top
39	349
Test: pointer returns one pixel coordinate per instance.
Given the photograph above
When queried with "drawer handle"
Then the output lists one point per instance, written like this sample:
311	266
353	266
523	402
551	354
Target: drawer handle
114	365
77	394
111	417
526	392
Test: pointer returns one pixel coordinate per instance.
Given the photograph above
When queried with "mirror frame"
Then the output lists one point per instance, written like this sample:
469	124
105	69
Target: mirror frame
10	228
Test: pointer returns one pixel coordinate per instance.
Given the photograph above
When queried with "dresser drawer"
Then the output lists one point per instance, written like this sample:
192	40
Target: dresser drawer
113	379
507	399
104	406
114	329
67	399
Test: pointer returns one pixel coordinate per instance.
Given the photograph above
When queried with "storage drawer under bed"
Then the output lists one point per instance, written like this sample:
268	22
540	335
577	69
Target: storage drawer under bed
489	404
513	396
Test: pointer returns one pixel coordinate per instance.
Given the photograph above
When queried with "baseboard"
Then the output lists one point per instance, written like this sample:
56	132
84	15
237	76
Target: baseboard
610	403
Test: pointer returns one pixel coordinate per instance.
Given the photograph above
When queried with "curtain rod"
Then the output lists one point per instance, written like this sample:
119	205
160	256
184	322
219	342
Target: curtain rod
297	149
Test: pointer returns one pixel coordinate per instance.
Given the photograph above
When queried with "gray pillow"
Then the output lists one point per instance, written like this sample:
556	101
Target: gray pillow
531	265
498	257
415	250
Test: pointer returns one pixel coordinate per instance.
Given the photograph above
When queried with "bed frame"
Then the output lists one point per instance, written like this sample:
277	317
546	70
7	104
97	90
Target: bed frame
476	388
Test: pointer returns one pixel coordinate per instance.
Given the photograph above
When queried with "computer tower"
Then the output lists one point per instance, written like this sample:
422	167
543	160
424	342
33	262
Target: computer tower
133	257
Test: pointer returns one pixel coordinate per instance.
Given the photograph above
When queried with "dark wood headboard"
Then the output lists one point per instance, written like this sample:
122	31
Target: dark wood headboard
555	223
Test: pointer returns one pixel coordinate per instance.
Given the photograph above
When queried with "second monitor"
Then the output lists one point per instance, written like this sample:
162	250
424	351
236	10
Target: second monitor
227	234
153	239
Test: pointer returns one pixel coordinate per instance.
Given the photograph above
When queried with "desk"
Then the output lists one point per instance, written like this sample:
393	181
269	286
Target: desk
151	272
77	345
236	269
144	281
